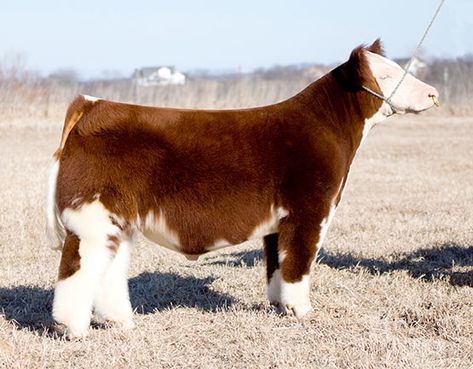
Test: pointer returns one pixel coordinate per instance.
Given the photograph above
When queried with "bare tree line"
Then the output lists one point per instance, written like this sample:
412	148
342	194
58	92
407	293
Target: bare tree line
23	92
454	80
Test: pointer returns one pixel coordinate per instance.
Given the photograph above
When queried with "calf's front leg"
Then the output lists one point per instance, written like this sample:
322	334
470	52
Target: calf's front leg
289	255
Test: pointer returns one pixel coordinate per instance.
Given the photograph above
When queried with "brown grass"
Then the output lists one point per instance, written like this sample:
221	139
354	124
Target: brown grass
393	287
49	99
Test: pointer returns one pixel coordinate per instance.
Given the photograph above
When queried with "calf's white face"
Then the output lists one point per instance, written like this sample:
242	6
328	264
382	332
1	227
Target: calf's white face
412	95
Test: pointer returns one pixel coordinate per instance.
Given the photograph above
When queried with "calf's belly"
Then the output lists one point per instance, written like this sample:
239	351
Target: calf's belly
195	242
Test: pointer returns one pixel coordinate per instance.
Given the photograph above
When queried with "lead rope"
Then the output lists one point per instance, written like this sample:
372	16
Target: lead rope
406	69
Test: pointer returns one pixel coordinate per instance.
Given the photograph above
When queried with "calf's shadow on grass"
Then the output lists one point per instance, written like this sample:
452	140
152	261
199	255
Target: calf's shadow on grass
30	307
427	264
150	292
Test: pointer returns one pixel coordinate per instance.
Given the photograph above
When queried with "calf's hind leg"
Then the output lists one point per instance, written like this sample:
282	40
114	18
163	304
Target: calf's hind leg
85	258
113	301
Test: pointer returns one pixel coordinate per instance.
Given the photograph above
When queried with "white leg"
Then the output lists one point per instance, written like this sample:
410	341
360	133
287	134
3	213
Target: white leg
273	288
273	291
295	296
113	301
75	294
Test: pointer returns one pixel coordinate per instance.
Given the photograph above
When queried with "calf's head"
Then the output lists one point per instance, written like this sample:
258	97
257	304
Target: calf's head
412	94
368	67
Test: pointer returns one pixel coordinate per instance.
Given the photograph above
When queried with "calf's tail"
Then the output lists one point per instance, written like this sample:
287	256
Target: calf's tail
55	229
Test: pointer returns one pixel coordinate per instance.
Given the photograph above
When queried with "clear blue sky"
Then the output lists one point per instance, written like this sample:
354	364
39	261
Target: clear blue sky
91	36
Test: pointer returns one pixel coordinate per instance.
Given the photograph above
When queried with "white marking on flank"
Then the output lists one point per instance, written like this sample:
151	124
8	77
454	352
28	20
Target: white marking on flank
270	225
157	230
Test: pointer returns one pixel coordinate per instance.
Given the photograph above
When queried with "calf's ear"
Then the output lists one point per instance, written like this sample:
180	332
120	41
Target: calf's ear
355	72
376	47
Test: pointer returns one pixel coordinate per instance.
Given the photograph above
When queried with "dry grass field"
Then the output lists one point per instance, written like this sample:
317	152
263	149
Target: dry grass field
392	288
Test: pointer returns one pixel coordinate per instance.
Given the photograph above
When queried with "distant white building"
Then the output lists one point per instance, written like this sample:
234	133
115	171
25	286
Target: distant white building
158	76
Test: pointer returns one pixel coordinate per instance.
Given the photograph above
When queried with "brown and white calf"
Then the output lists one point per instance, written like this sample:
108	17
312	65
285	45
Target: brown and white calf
198	180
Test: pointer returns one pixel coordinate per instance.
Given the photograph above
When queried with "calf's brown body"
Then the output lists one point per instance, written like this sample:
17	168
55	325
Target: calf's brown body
215	175
208	178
